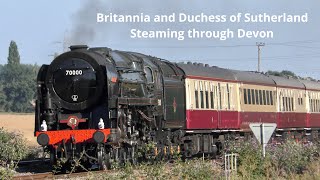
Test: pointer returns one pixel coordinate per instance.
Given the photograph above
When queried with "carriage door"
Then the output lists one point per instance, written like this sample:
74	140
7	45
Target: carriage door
228	117
224	100
214	104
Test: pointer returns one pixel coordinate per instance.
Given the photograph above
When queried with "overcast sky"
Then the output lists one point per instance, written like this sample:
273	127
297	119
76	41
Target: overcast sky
40	26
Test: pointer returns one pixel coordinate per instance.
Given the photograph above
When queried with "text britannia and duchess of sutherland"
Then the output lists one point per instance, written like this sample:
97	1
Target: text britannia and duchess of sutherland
203	18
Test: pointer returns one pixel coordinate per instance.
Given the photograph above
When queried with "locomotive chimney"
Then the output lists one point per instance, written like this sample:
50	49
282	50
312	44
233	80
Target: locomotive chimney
75	47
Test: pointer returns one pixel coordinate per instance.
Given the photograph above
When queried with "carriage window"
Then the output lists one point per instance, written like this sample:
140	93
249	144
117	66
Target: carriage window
206	93
231	96
271	98
253	97
220	99
201	99
264	97
257	96
312	105
228	91
149	74
196	94
211	98
245	96
268	97
207	99
201	95
261	99
249	96
196	98
300	101
289	104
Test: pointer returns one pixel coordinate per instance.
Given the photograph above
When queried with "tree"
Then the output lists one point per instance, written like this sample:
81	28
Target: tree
19	84
283	73
13	57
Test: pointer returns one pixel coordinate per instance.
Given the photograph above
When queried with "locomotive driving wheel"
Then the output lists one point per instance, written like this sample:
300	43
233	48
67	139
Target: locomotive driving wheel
103	159
132	155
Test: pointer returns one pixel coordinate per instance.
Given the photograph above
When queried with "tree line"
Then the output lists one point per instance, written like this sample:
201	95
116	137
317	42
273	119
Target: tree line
17	83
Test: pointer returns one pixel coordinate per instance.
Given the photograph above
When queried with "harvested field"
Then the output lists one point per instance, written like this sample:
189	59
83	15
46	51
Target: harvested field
23	123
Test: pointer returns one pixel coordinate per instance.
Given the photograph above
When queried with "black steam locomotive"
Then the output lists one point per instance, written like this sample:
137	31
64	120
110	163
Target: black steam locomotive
98	106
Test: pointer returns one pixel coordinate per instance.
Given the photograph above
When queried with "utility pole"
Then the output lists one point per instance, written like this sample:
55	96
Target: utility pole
259	44
64	42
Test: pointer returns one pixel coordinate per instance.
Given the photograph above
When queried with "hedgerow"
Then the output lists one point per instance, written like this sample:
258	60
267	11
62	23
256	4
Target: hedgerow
290	160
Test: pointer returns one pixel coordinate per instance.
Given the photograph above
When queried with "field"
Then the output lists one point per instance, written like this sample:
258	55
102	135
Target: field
23	123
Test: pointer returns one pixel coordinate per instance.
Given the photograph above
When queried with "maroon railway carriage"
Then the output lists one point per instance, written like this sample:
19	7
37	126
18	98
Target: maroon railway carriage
223	99
312	103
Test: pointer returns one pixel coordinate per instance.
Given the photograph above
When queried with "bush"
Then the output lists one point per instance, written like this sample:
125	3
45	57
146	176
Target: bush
191	169
12	148
292	157
251	164
6	173
287	160
197	169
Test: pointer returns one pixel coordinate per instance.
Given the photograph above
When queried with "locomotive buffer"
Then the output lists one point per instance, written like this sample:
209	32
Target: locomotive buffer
263	132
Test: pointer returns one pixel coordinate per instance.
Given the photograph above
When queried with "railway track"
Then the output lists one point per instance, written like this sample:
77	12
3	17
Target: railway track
34	176
28	162
32	166
50	175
